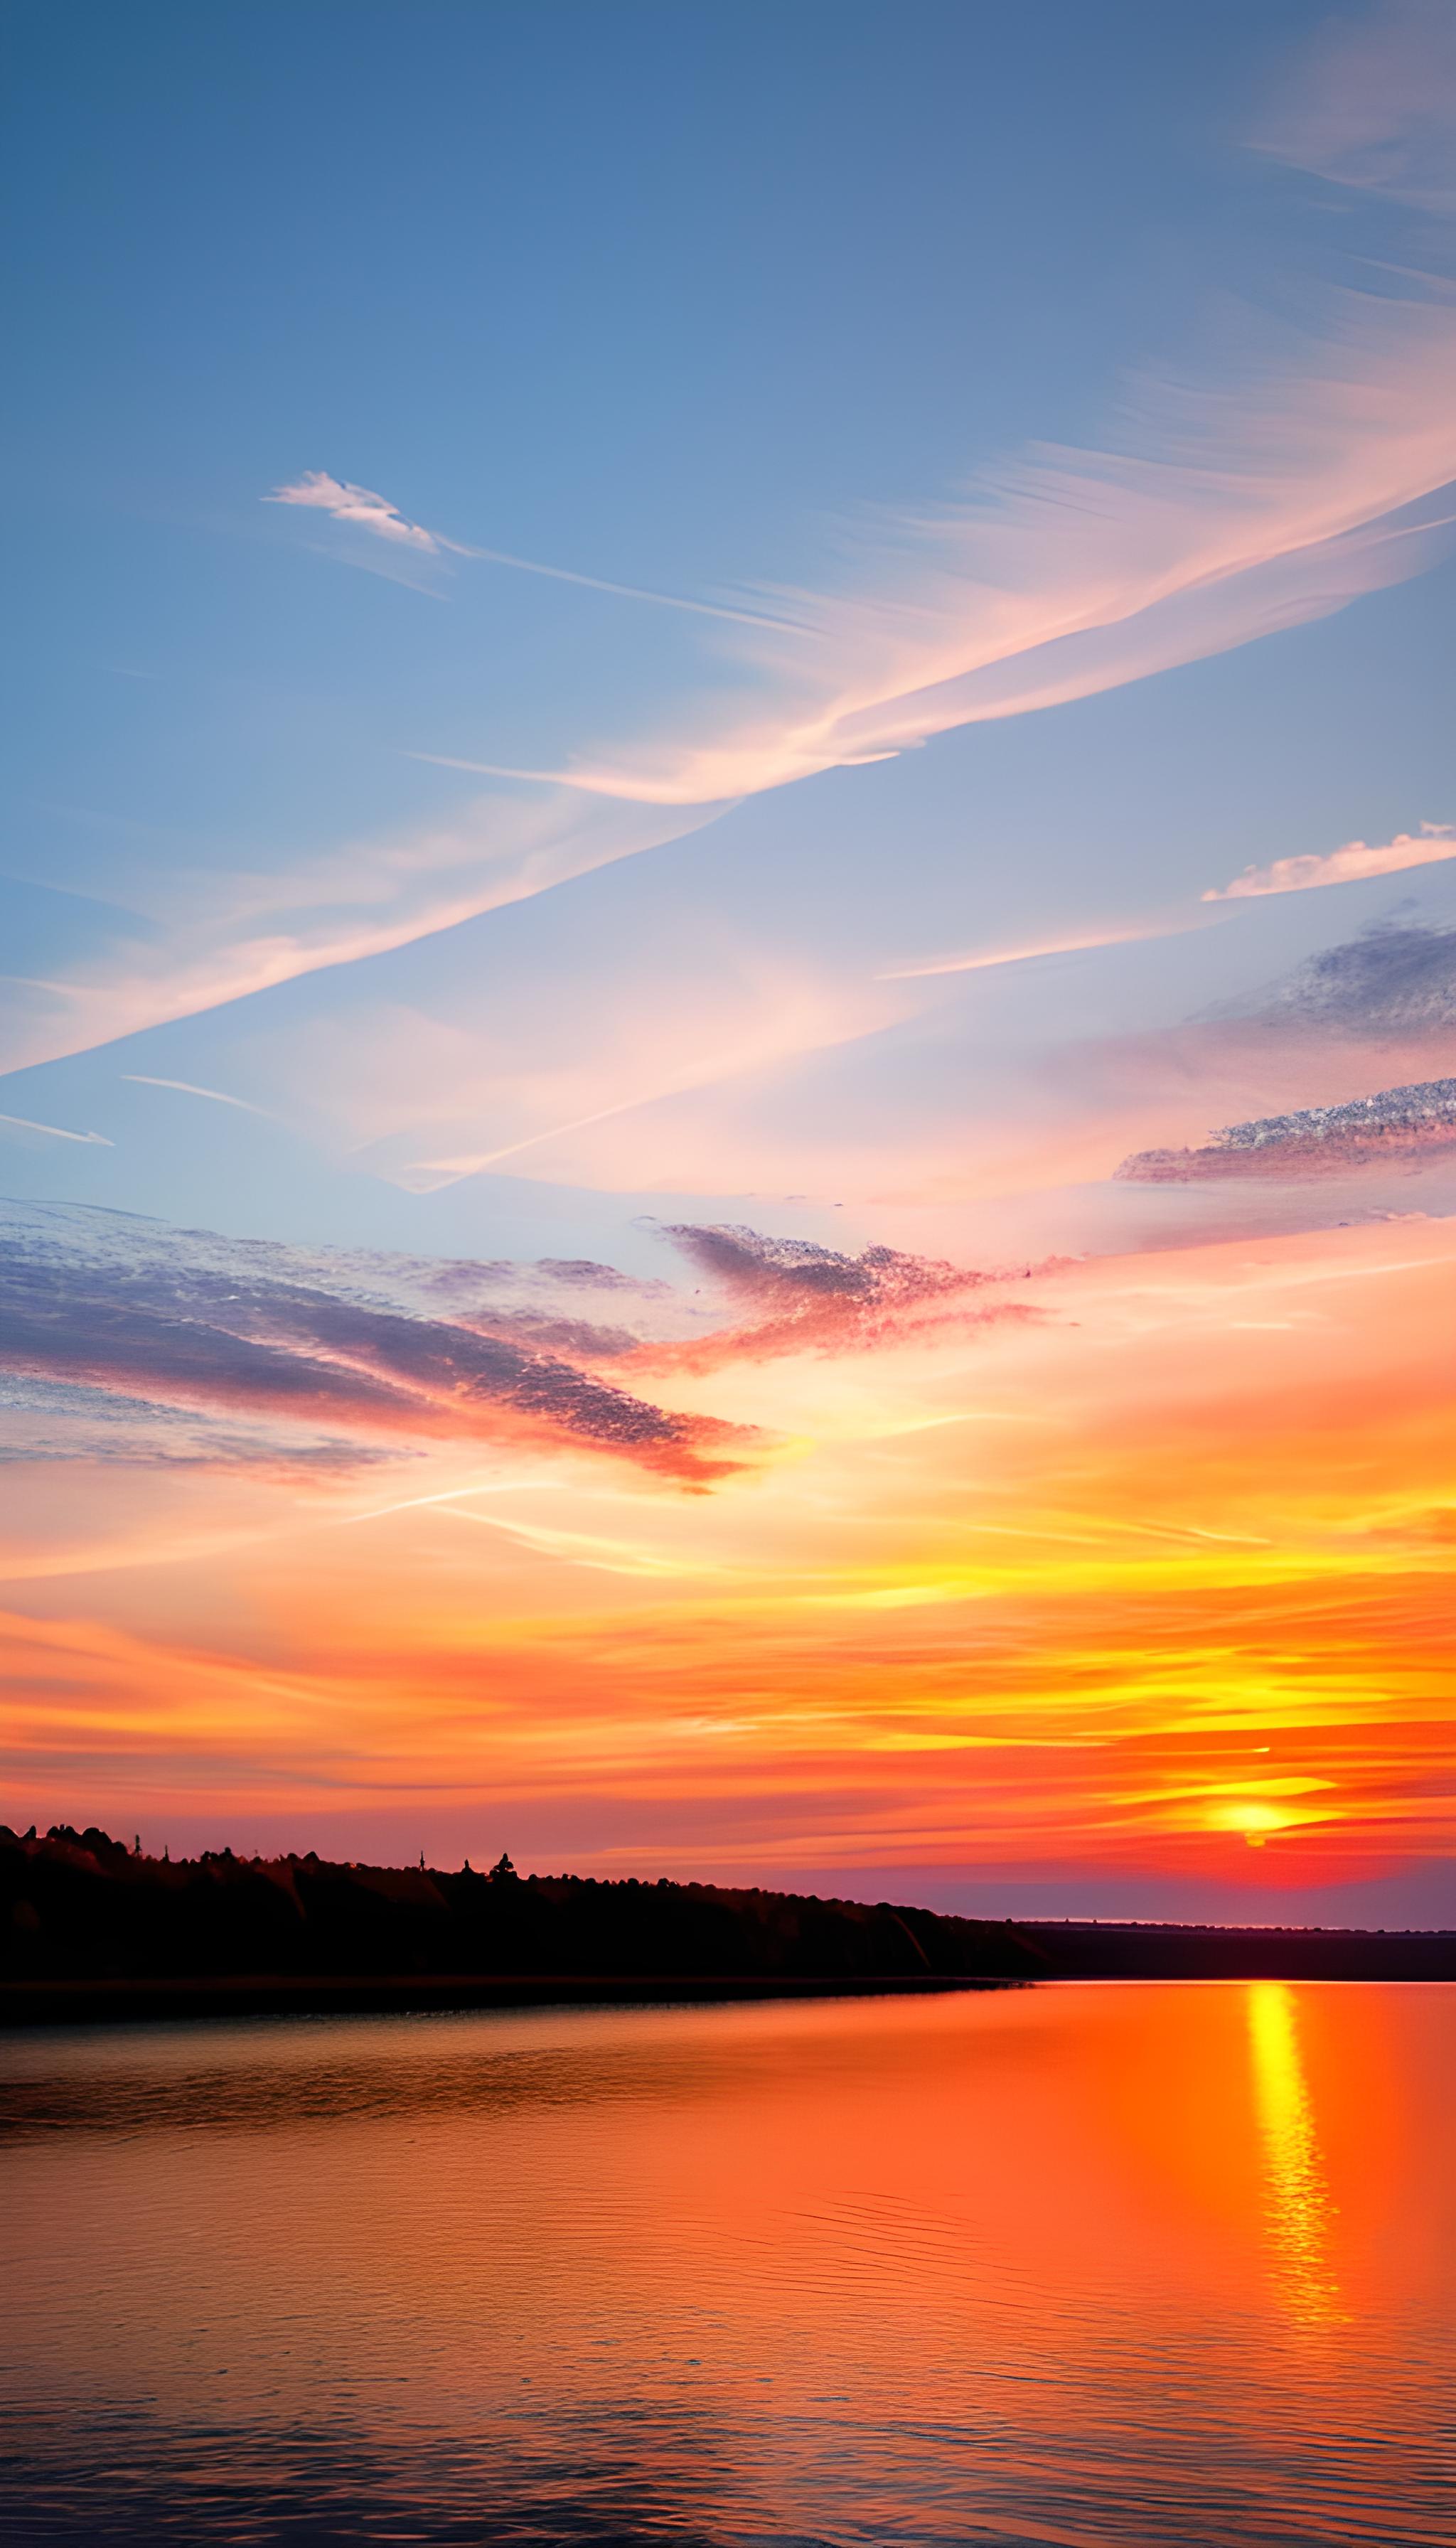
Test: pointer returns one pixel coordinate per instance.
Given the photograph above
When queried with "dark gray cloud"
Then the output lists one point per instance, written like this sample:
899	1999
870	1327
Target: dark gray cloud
135	1310
1396	1125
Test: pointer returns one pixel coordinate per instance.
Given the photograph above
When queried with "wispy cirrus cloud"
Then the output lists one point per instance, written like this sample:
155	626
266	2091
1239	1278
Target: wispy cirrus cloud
1276	480
227	937
1080	943
189	1088
1348	865
1375	106
1226	515
1291	465
361	510
56	1132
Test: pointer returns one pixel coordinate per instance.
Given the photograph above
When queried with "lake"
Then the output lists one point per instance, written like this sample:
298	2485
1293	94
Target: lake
1113	2263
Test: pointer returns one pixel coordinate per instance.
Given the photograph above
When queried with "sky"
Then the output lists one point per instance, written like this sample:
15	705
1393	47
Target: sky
728	928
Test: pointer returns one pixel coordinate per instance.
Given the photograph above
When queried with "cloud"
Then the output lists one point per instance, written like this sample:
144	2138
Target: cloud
56	1132
603	1093
357	505
1080	574
189	1321
1346	865
583	1338
624	591
1392	980
802	1298
1264	488
128	1339
55	1420
1077	946
189	1088
1292	464
1082	571
1396	1126
1225	514
1376	105
364	511
229	937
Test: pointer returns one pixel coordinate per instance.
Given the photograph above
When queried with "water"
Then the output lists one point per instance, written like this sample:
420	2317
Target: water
1157	2263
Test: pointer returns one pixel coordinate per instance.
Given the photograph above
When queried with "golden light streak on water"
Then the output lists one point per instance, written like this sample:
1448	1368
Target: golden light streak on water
1299	2213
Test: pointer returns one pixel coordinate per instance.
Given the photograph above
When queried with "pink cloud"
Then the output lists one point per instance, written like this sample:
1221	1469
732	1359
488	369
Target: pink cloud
1233	515
795	1296
1346	865
1374	107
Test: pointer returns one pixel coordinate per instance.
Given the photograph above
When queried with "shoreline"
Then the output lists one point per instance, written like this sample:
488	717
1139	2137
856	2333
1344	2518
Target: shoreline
1099	1952
124	2001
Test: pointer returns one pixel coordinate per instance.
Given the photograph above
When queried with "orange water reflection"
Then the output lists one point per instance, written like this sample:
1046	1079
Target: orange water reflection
992	2267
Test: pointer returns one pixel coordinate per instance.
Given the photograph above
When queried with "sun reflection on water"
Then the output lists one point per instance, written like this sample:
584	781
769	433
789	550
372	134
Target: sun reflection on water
1299	2213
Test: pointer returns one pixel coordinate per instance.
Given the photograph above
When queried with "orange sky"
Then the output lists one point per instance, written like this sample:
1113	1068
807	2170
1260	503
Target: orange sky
1151	1587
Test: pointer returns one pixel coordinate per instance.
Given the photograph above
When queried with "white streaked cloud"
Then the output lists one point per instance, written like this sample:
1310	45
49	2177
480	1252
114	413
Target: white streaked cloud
1344	866
362	509
359	507
1273	484
223	938
1292	466
1232	514
986	960
189	1088
57	1132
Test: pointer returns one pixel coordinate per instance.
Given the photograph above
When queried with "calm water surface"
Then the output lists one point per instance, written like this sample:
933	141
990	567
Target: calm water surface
1163	2263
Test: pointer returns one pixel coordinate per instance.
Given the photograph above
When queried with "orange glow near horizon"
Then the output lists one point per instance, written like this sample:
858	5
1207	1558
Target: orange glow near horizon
1132	1587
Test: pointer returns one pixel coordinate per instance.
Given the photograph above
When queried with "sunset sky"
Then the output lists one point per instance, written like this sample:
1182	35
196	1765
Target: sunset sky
730	765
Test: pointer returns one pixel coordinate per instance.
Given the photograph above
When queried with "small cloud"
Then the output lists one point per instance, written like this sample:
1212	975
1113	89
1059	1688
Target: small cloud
188	1088
1029	955
357	506
57	1132
1346	865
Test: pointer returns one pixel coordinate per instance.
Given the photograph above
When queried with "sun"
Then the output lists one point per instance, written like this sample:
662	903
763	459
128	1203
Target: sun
1253	1817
